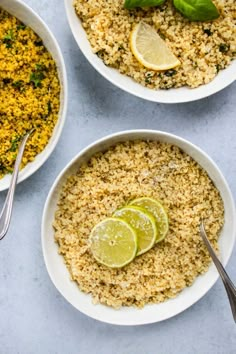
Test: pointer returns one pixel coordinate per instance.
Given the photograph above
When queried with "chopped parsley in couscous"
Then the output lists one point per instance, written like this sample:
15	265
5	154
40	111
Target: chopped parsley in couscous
29	92
203	48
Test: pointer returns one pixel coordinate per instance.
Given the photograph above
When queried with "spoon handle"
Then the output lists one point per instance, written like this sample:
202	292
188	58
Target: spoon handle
6	212
229	286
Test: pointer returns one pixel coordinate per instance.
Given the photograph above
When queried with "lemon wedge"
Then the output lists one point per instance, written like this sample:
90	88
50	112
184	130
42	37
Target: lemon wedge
150	49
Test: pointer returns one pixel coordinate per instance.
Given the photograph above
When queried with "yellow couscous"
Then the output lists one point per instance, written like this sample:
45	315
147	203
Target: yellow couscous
29	92
112	179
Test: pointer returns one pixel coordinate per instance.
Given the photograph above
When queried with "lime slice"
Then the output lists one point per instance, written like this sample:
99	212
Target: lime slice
113	242
157	210
150	49
143	223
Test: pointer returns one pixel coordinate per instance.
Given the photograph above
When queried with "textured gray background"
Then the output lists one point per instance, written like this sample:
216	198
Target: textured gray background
34	318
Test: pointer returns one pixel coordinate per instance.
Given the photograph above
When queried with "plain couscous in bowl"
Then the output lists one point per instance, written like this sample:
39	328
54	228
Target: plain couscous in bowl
29	91
203	48
110	180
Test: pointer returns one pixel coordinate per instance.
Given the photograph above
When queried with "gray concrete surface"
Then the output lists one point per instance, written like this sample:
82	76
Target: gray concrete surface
34	318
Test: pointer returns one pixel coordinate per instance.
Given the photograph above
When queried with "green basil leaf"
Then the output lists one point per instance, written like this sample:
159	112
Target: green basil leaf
130	4
197	10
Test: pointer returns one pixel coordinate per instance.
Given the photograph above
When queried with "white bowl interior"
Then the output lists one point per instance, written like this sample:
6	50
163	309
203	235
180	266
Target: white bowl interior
30	18
183	94
150	313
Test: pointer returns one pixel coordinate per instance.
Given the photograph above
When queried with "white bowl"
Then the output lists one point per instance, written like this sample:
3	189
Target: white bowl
24	13
183	94
150	313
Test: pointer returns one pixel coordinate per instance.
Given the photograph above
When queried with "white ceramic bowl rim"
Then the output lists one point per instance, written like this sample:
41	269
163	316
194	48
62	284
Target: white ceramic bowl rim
22	11
150	313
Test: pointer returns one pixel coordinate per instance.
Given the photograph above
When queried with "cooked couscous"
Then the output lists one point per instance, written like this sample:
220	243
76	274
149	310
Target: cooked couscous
203	48
112	179
29	92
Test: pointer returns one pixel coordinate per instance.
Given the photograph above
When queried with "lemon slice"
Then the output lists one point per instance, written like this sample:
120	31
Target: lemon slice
150	49
143	223
157	210
113	242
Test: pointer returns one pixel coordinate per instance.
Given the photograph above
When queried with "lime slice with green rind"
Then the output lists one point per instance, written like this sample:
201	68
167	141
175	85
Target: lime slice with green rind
157	210
143	223
113	242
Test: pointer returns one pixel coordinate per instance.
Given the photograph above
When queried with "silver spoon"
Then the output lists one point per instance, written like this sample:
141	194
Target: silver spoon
5	216
229	286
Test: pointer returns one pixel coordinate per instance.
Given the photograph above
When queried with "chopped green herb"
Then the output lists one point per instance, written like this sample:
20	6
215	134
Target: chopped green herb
49	107
40	67
6	81
36	78
2	167
223	47
218	67
9	170
121	47
162	35
24	41
207	31
100	53
21	27
8	39
15	143
38	43
170	73
18	84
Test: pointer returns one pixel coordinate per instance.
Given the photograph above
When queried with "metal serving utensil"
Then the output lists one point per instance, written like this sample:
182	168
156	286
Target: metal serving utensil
228	284
5	216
